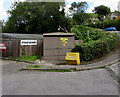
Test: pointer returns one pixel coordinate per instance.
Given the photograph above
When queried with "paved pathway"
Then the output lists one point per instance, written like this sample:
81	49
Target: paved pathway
108	60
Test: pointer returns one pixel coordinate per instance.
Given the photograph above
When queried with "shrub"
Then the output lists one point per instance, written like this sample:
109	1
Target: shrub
97	48
86	33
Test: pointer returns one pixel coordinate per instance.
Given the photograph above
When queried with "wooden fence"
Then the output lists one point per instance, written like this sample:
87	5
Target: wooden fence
15	49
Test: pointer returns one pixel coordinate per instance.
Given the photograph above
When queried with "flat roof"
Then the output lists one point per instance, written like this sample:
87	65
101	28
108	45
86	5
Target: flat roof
58	34
22	36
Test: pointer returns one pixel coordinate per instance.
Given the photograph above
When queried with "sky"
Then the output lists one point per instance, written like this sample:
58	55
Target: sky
5	5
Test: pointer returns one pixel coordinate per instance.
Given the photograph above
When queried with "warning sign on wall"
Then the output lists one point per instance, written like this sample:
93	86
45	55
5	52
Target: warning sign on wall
64	41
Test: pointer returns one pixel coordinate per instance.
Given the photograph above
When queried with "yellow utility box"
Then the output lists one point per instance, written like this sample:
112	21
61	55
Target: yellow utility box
72	58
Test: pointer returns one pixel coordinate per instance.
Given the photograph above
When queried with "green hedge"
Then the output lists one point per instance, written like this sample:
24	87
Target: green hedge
97	48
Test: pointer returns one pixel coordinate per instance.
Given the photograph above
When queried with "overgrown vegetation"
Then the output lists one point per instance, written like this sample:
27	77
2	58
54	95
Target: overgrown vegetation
87	33
97	44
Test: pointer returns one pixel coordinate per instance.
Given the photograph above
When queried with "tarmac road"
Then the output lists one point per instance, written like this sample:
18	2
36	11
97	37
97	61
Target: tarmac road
92	82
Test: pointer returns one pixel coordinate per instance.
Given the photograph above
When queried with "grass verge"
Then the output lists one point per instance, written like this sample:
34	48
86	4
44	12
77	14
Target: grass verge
46	69
27	58
49	70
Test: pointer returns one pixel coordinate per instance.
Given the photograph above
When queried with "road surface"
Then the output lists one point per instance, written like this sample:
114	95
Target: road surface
92	82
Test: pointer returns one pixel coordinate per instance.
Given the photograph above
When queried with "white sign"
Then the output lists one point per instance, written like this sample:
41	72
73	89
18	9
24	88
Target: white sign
28	42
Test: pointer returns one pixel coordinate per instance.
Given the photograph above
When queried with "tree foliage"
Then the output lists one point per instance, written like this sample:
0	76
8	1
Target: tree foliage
78	14
102	11
81	18
79	7
36	17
